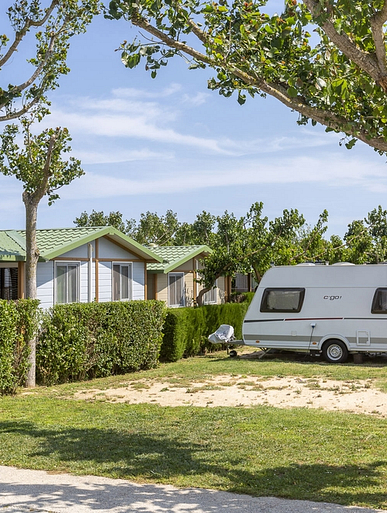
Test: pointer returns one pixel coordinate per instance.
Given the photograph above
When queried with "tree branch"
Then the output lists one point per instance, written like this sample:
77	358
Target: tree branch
22	32
41	189
364	60
18	113
298	104
377	23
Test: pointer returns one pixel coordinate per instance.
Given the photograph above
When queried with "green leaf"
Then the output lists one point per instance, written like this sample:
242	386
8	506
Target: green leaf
131	61
292	92
350	144
241	98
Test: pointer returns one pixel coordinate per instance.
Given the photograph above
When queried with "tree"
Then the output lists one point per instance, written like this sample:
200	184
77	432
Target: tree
201	231
325	59
41	169
155	229
101	219
252	243
366	239
377	227
150	229
54	25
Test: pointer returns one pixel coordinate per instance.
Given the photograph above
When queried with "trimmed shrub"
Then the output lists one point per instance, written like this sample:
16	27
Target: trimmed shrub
18	325
81	341
186	330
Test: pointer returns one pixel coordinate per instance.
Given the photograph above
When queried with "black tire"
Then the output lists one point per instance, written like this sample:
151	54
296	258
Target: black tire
233	353
335	351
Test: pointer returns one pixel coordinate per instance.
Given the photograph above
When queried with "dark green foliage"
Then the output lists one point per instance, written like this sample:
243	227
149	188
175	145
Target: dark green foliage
81	341
186	330
18	325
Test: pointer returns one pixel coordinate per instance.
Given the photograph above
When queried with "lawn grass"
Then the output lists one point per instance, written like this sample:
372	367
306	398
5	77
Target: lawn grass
188	371
298	453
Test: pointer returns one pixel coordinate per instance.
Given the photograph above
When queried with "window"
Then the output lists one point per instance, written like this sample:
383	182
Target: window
8	283
379	303
176	289
241	283
211	296
282	300
67	282
122	282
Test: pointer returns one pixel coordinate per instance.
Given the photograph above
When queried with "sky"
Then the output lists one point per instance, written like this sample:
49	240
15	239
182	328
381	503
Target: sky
171	143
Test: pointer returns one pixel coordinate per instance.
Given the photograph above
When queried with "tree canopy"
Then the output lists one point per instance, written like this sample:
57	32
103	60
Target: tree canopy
253	243
325	59
41	167
53	24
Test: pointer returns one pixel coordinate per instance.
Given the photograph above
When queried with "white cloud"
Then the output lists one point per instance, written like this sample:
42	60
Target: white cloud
121	119
131	92
112	156
136	126
335	171
196	100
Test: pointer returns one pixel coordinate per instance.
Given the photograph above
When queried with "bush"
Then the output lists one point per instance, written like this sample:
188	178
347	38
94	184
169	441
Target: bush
18	325
186	330
80	341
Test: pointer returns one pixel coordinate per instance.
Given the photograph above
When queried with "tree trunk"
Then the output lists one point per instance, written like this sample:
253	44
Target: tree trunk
257	274
199	298
32	257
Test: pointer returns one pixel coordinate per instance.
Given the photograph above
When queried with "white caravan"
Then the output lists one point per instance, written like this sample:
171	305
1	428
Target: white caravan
330	309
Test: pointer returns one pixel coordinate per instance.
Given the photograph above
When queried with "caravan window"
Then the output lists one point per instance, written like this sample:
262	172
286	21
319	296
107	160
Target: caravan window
282	300
379	304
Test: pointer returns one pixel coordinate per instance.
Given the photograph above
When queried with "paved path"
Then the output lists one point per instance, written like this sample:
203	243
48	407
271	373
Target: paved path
23	491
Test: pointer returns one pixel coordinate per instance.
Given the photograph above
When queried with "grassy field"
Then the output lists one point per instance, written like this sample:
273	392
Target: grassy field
298	453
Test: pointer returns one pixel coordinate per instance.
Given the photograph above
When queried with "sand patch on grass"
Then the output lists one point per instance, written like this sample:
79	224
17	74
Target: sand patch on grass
282	392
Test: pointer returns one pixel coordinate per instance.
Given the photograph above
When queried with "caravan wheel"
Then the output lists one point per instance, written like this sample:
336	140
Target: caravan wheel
335	351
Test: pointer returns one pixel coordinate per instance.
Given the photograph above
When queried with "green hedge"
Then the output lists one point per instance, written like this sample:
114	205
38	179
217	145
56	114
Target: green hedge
186	330
18	324
80	341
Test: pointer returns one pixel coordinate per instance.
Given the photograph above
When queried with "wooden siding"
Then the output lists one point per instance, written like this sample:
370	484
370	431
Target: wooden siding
84	279
81	252
105	281
162	288
111	251
138	286
45	283
189	288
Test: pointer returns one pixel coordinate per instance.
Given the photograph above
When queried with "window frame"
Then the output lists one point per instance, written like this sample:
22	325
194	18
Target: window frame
9	292
374	310
181	276
212	292
268	290
129	265
67	263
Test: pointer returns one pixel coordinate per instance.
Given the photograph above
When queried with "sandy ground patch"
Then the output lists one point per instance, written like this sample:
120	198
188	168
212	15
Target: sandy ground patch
282	392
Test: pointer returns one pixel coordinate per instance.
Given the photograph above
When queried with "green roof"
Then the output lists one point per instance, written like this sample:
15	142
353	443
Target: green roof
11	248
54	242
174	256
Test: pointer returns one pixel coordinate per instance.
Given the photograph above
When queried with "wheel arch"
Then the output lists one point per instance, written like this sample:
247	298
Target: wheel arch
333	336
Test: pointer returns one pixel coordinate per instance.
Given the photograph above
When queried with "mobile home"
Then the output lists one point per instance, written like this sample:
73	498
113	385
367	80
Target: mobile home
331	310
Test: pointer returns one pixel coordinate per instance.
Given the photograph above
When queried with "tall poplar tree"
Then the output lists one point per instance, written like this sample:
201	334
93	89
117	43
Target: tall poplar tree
50	27
40	166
